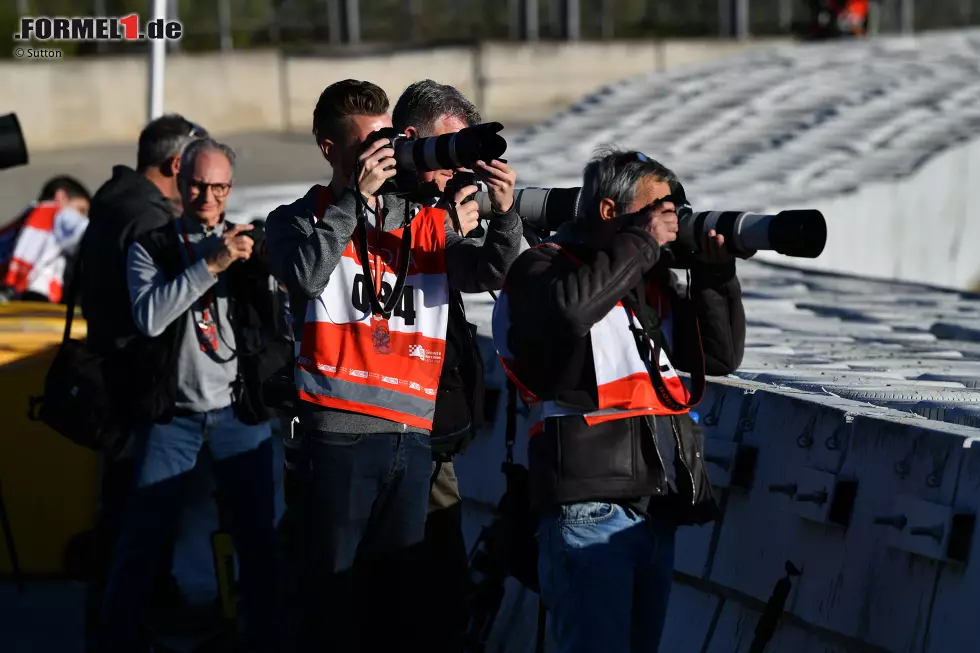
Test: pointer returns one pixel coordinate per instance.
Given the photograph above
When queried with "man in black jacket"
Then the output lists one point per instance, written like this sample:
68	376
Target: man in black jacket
427	109
591	328
130	204
202	304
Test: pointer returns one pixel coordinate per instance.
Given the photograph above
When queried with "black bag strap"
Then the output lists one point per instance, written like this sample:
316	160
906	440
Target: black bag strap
377	308
651	331
73	286
510	432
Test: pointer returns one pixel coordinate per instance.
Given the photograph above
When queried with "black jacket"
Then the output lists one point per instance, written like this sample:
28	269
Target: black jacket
261	349
460	398
124	208
553	306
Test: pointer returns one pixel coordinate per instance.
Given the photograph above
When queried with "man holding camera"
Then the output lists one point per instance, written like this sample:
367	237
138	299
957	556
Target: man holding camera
200	299
591	327
374	273
426	109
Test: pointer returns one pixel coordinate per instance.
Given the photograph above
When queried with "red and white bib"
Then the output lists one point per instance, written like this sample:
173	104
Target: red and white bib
352	360
623	379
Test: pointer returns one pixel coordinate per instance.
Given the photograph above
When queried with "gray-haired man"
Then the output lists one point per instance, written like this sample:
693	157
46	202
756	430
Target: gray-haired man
426	109
592	325
200	297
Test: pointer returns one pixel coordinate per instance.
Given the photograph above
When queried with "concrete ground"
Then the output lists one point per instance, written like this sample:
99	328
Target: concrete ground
266	158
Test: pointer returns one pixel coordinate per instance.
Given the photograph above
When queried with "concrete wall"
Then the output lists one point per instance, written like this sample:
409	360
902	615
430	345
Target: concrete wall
66	103
865	586
923	228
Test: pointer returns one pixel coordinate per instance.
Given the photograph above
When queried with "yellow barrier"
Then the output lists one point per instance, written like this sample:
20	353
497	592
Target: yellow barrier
50	486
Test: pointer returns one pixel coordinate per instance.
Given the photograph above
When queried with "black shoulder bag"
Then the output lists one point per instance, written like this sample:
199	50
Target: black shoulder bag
76	402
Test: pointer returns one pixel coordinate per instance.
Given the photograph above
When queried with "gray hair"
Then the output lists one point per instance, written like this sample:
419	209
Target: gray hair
425	101
614	174
189	157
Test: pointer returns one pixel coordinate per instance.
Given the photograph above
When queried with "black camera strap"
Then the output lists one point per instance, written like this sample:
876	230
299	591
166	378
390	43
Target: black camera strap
377	308
649	338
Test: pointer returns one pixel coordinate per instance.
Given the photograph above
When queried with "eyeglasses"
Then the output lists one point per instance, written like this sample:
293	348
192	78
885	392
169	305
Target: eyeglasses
197	131
201	187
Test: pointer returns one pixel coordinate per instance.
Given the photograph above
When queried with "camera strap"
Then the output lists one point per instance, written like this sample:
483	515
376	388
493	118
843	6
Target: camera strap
374	287
649	337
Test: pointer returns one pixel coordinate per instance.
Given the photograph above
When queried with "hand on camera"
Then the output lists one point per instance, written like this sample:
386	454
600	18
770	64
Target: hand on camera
500	179
660	221
376	165
714	251
233	246
467	212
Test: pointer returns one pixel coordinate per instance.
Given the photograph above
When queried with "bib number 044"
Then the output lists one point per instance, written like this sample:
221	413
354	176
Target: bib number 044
405	308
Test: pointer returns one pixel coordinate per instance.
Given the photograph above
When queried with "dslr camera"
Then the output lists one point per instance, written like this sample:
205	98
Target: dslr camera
460	180
462	149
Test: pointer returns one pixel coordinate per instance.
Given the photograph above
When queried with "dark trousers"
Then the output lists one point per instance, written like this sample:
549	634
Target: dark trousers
365	526
447	562
166	454
116	490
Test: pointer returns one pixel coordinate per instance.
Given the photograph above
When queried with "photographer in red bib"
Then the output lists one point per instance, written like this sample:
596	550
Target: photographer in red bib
369	276
591	328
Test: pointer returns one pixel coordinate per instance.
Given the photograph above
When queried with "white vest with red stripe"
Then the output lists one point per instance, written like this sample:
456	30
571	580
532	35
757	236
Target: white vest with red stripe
36	263
623	379
351	360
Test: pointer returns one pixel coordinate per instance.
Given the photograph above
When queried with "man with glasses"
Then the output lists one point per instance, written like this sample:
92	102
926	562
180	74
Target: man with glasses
200	297
592	328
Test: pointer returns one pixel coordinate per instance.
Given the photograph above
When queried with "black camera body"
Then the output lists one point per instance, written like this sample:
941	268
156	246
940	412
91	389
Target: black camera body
404	182
460	180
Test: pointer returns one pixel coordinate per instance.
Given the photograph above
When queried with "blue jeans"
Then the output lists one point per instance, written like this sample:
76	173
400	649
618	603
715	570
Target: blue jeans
605	575
243	468
364	524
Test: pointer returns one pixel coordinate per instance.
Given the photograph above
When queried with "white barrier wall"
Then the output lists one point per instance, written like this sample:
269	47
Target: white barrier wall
826	469
922	228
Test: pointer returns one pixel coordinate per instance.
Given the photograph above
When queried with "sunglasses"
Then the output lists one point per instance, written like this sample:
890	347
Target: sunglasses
197	131
632	157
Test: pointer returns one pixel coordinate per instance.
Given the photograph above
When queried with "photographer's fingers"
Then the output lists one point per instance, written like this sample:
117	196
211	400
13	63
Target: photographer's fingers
496	173
241	247
463	193
237	229
371	150
497	168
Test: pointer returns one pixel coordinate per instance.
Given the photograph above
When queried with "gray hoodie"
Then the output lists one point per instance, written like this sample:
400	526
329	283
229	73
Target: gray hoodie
304	251
205	379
